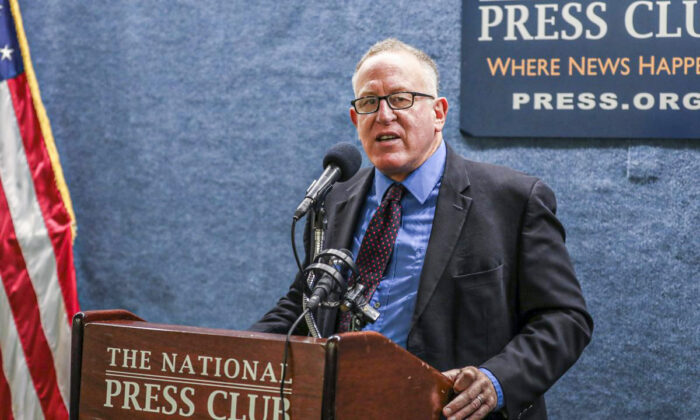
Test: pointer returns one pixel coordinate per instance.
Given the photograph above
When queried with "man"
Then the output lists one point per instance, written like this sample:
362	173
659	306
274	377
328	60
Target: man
478	282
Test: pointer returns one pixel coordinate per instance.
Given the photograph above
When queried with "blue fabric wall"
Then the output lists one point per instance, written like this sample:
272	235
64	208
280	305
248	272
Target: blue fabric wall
189	130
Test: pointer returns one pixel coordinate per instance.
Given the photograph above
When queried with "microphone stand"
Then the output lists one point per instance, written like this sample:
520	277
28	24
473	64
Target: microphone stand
318	226
353	300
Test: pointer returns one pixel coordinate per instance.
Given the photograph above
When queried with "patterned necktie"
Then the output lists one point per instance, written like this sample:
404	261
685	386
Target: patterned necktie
376	246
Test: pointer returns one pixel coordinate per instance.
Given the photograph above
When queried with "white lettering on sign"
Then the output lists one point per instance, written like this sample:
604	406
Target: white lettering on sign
572	20
170	390
607	101
127	358
130	395
218	367
234	411
546	21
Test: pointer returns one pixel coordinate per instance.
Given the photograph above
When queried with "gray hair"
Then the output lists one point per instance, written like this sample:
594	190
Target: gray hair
394	45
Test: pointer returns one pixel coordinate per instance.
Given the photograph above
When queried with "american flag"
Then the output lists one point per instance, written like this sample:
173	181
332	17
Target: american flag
37	279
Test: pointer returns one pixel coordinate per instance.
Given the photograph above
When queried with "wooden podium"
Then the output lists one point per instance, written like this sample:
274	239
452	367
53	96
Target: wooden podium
124	367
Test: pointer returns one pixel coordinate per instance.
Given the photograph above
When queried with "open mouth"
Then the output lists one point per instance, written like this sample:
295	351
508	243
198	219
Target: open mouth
387	137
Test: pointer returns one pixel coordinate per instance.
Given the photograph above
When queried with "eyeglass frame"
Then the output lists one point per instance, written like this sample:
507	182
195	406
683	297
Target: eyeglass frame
385	97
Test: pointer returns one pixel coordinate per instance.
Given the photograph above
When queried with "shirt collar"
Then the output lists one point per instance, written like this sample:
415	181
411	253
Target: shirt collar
419	182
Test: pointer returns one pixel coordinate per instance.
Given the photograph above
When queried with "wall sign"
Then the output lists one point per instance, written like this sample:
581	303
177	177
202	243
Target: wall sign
547	68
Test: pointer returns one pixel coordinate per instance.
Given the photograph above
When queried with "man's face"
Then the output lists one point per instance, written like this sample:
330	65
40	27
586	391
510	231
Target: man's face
398	141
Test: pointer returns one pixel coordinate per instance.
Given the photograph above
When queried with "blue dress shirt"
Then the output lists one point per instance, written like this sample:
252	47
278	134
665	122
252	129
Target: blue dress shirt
395	297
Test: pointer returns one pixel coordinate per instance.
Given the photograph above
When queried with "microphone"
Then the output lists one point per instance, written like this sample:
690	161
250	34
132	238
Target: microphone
331	274
323	289
340	163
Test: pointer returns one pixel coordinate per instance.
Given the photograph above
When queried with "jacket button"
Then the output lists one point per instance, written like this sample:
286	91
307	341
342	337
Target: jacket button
377	305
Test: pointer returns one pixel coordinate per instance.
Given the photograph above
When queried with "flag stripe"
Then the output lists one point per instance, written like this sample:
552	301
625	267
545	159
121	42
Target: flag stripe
15	369
43	227
24	307
55	215
24	295
5	395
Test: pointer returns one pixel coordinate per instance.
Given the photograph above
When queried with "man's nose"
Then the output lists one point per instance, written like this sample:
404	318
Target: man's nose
385	113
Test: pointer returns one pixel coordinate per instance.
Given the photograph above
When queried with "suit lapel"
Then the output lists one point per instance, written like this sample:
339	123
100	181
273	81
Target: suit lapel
450	214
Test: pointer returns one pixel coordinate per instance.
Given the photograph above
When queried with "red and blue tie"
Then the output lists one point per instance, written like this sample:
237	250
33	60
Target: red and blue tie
376	246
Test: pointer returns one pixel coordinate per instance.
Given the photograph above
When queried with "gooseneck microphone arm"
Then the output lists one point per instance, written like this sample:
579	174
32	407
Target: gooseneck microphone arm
316	220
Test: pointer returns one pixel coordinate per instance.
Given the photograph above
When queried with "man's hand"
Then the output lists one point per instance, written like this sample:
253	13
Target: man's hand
476	396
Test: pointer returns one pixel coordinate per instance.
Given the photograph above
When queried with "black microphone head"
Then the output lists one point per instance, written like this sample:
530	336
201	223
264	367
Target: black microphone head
346	157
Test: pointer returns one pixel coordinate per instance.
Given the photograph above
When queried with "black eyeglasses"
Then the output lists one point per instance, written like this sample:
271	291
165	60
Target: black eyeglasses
397	100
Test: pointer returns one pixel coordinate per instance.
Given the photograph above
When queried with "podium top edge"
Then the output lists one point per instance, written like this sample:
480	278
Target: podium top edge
143	325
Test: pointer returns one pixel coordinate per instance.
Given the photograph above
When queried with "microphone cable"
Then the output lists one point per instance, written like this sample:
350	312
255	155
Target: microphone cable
296	323
294	245
287	345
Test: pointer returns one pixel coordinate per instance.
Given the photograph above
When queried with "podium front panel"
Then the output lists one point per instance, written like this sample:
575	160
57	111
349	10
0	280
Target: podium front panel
139	370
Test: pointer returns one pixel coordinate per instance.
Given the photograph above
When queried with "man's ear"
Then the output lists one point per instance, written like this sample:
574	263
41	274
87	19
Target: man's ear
440	108
353	116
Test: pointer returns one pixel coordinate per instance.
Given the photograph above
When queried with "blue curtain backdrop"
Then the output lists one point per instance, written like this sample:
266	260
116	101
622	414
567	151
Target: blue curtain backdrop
189	130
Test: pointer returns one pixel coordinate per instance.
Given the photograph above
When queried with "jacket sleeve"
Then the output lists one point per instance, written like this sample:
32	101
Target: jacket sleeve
280	318
554	324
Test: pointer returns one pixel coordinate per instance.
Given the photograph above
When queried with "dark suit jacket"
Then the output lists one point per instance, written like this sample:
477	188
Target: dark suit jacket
497	288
